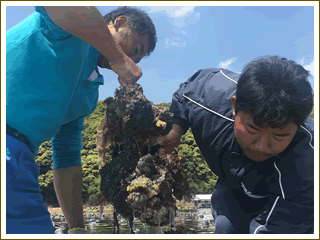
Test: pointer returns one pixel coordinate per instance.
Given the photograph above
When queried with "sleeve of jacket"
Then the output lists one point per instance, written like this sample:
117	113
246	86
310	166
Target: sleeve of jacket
286	217
67	144
293	211
178	107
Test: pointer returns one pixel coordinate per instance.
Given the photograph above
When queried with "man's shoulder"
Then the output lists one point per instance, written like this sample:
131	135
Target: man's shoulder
303	141
207	94
214	79
298	158
22	31
53	31
211	79
224	72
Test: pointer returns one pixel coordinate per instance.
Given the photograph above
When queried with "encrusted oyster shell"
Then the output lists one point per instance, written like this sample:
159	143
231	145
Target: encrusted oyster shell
134	181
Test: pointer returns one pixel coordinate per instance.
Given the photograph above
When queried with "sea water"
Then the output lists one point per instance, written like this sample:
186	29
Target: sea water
199	221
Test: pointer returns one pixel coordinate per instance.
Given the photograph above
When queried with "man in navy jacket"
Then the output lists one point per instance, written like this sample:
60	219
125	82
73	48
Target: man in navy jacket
255	132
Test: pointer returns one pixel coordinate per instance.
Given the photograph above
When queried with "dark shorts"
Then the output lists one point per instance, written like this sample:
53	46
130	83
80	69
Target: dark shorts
233	210
25	210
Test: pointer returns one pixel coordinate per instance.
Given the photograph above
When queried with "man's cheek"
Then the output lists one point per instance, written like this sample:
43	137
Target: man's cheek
243	137
240	130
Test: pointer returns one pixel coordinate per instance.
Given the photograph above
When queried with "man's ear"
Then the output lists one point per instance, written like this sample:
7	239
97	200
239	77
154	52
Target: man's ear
233	100
120	21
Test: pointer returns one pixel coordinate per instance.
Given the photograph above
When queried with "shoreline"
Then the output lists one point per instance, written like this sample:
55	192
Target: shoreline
108	208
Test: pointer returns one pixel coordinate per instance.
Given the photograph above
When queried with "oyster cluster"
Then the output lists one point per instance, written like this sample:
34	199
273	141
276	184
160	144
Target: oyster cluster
133	180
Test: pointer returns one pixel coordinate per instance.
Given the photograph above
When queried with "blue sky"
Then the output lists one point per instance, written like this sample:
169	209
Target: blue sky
195	37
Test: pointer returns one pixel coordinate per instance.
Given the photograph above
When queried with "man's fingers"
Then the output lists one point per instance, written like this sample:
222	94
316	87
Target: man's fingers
123	82
161	152
127	71
166	150
134	80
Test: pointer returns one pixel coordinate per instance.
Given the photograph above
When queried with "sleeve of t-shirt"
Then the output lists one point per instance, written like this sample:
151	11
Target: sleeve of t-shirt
54	29
67	144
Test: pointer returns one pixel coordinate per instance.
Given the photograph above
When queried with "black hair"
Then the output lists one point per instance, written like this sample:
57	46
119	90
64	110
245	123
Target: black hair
275	91
140	22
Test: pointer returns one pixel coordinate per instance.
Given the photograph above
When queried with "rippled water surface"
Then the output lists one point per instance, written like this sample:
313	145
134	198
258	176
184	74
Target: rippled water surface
200	222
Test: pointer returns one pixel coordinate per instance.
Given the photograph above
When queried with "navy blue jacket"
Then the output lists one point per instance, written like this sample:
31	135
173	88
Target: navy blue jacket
285	181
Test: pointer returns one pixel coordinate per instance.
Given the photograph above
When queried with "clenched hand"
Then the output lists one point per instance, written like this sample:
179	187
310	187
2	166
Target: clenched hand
172	140
127	70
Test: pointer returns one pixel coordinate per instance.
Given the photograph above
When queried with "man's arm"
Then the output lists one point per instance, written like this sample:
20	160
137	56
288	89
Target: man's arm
286	217
67	171
88	24
180	121
172	140
68	183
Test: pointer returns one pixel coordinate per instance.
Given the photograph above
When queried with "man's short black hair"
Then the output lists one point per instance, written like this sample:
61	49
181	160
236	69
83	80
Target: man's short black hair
140	22
275	91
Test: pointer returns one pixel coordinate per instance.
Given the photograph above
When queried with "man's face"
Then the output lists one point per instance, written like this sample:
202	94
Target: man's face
134	45
260	144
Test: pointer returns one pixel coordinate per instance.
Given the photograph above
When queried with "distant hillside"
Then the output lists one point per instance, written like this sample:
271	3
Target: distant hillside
164	105
312	113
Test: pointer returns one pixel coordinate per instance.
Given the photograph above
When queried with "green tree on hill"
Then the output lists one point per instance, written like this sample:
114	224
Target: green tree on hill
163	105
44	160
200	178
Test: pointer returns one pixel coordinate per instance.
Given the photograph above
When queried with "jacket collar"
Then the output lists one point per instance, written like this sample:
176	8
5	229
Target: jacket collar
235	147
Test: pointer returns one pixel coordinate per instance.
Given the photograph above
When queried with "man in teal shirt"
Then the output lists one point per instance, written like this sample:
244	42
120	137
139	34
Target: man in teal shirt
52	84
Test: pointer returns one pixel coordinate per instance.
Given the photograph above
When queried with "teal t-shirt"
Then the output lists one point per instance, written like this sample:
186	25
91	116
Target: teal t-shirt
48	92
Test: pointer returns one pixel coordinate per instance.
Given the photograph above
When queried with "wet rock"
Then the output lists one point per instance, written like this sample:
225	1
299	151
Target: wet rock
179	229
61	228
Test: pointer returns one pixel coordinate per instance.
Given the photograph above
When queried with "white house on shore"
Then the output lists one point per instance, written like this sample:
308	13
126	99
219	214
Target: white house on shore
202	201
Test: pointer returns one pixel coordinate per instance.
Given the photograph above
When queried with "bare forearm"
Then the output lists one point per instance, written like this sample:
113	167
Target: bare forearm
88	24
68	183
178	130
172	140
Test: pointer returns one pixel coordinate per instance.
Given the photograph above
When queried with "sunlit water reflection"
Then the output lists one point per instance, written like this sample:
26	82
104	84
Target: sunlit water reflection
200	222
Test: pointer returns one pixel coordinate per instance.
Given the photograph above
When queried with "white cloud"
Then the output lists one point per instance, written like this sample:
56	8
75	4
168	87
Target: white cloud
169	10
174	42
181	15
227	63
310	67
183	11
174	12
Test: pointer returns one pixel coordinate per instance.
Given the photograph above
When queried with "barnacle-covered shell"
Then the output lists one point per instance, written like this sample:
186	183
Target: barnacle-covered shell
133	180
